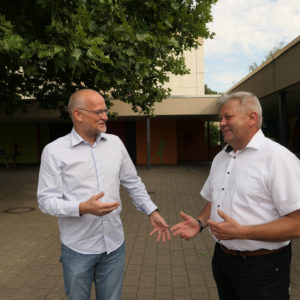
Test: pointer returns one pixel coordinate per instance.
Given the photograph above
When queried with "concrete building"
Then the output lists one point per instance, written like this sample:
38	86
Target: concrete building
181	129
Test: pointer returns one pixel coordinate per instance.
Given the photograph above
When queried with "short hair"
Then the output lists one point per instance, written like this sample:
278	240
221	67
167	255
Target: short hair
75	101
247	100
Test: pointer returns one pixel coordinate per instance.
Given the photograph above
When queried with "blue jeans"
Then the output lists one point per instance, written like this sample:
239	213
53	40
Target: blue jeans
80	270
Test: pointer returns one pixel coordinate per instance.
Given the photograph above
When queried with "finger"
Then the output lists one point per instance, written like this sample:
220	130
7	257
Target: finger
109	205
152	232
168	235
163	237
211	223
106	208
175	227
177	233
158	236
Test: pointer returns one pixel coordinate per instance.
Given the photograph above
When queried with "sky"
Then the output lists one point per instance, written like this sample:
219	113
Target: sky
245	31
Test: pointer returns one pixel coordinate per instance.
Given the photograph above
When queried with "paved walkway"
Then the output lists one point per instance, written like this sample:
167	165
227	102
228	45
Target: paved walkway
180	270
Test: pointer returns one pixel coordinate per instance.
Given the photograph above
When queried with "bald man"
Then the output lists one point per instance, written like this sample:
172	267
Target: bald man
79	182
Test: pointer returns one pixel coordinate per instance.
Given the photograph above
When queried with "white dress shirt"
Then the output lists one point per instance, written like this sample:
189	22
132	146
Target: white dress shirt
256	185
71	172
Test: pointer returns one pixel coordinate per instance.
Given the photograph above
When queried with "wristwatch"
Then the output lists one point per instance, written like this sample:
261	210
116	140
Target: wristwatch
200	225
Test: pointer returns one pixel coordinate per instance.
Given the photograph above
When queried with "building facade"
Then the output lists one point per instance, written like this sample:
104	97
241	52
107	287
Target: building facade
179	131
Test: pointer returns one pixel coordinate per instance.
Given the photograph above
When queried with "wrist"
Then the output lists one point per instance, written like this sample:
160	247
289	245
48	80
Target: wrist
201	227
156	210
82	208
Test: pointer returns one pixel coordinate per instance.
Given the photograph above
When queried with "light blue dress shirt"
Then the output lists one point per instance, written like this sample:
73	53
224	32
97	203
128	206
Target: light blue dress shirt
71	172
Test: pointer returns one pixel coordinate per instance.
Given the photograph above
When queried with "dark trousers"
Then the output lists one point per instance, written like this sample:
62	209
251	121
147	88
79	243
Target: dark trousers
264	277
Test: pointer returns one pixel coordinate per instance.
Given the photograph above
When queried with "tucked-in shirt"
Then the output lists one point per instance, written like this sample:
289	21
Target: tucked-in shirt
256	185
71	172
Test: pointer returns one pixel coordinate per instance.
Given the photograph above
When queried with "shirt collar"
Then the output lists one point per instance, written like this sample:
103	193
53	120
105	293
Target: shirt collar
255	142
76	139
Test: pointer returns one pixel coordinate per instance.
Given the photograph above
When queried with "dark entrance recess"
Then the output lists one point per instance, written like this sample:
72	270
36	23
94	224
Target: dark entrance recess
57	130
130	139
127	133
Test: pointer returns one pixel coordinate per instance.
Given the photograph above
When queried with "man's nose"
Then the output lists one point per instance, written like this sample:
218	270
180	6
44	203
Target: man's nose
104	117
222	122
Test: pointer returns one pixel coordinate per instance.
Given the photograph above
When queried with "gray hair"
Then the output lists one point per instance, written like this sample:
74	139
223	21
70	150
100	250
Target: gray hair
247	100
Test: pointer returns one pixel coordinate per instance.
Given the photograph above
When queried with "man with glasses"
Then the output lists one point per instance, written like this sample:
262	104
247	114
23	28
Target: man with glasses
79	181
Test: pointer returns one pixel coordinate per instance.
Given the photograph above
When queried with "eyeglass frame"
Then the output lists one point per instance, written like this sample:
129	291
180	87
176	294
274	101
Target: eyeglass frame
98	113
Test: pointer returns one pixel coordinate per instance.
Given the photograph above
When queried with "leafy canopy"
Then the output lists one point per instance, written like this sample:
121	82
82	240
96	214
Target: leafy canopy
123	48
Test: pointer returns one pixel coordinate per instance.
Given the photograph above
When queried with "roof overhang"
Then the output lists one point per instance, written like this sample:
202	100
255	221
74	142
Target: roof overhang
279	74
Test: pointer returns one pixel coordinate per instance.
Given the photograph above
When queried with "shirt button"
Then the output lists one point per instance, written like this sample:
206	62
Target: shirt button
228	172
218	205
234	157
223	189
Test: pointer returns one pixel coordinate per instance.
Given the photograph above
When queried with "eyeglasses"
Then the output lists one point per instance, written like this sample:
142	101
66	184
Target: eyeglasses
98	113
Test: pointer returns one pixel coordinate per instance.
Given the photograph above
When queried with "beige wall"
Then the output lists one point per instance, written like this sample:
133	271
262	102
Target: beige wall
190	84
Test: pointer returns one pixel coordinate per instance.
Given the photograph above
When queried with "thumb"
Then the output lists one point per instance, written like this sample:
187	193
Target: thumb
164	223
158	219
98	196
222	214
184	215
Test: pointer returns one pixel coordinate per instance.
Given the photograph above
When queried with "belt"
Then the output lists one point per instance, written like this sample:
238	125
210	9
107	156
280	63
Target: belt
249	253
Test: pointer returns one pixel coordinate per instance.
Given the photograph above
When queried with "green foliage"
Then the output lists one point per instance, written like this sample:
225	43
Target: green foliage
270	54
209	91
214	133
123	48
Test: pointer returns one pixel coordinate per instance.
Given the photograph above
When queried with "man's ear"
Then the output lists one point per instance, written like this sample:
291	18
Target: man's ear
253	118
77	115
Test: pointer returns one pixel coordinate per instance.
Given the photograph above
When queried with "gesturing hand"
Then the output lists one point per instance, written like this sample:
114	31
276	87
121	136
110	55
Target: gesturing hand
229	229
160	226
95	207
186	229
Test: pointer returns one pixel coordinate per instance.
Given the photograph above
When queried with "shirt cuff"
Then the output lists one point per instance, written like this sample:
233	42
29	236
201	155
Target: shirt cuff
148	208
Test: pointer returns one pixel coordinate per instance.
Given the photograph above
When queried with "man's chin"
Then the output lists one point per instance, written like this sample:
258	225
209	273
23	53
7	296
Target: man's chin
103	129
227	137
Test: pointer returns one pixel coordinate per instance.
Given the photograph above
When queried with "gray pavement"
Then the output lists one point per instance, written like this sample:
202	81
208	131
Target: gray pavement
179	270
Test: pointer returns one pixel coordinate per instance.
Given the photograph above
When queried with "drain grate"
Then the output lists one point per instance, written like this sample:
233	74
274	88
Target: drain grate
18	210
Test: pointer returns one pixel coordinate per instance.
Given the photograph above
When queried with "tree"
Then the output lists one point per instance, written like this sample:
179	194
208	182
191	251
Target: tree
270	54
50	48
209	91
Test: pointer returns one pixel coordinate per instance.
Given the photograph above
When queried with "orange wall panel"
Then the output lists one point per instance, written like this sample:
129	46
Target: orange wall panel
163	142
191	141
